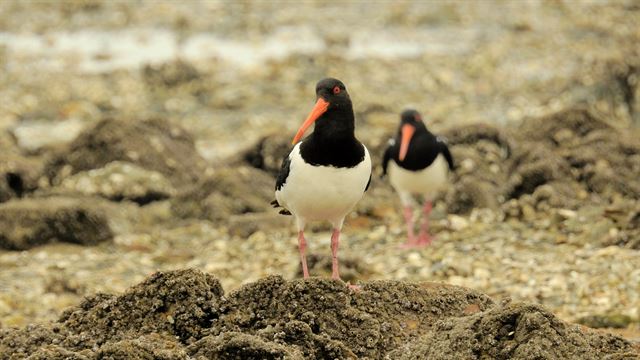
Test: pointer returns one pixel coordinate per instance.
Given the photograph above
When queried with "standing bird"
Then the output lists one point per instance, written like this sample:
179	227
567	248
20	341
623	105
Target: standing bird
420	164
327	173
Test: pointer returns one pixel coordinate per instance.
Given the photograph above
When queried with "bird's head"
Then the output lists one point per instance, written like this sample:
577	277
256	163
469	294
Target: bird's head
410	121
331	96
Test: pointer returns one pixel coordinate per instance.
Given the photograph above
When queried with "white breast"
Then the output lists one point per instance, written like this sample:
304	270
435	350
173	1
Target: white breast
427	181
322	192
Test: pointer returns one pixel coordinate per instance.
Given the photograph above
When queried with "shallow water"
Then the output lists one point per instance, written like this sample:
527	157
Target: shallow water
103	51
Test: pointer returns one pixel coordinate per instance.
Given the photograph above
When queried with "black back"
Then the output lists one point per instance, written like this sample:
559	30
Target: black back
424	147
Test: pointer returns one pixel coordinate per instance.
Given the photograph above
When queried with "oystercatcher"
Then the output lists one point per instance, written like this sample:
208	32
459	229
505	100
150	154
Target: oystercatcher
418	163
327	173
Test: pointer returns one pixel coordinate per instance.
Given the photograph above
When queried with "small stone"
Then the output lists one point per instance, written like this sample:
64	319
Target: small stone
528	213
566	213
457	222
35	135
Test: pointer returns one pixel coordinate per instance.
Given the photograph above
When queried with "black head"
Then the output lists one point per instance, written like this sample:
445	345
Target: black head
410	124
332	113
333	91
411	117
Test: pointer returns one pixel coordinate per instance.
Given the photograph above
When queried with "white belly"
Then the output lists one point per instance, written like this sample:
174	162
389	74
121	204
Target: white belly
322	192
427	181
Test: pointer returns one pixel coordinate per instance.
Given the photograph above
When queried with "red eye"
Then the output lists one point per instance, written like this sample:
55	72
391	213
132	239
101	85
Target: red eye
336	90
417	117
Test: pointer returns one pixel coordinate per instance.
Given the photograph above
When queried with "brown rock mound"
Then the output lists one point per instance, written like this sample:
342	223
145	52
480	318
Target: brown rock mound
513	331
182	303
26	223
268	152
481	152
229	191
560	160
153	144
575	145
184	313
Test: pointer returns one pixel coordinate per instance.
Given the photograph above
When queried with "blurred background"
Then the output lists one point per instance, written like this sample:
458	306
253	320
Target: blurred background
145	135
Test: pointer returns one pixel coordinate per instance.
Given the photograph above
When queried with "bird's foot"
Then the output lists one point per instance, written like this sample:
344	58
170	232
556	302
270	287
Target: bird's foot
411	242
408	245
425	240
350	286
354	288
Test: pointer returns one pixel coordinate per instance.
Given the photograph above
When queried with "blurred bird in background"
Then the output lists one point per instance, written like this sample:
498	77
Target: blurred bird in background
418	164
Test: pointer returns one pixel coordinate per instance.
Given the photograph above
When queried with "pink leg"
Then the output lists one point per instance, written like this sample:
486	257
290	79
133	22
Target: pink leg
408	218
302	246
335	241
424	238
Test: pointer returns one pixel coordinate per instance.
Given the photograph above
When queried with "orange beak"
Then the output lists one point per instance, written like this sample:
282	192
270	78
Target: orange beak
320	108
407	133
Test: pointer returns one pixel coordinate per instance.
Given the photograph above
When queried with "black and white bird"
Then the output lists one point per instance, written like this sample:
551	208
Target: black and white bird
327	173
418	163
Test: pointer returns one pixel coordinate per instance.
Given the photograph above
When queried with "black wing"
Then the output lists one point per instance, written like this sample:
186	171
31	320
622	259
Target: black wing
280	181
444	149
387	156
284	173
368	182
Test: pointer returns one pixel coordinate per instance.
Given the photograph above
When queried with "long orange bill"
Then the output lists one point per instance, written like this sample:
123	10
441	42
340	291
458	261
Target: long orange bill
320	108
407	133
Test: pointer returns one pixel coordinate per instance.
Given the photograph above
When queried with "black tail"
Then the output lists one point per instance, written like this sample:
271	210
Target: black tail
276	204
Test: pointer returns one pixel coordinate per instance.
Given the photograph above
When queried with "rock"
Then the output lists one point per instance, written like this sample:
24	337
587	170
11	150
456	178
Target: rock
185	314
532	167
33	340
473	133
229	191
152	346
54	352
33	136
19	175
599	157
244	225
481	152
351	269
170	74
578	121
512	331
269	151
235	345
118	181
470	193
618	321
153	144
528	213
191	298
457	223
356	320
566	214
29	222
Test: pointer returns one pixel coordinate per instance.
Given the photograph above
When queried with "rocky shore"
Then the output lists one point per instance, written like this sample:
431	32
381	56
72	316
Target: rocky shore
141	185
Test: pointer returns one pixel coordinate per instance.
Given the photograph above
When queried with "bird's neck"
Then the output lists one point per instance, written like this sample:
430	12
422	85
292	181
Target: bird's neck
333	142
335	126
